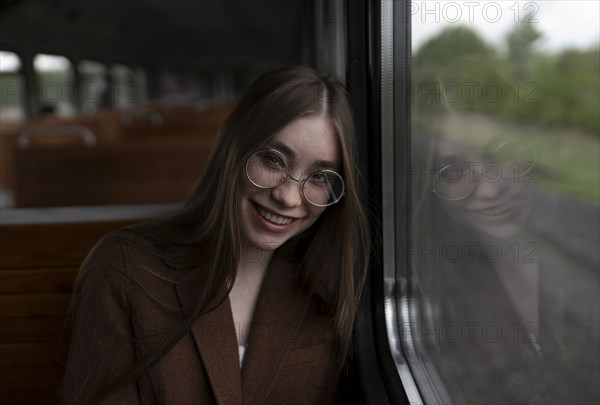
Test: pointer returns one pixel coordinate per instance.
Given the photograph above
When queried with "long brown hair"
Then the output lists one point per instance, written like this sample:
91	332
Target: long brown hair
332	255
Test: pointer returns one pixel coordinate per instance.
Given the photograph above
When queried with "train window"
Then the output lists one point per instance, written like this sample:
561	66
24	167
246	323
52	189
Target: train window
55	84
93	86
499	267
127	86
141	82
11	83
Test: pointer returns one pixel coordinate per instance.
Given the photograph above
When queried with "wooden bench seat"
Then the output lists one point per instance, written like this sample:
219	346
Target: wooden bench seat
161	121
38	267
126	172
112	130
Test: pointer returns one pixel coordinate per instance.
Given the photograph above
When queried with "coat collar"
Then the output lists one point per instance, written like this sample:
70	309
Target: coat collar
278	315
277	319
216	343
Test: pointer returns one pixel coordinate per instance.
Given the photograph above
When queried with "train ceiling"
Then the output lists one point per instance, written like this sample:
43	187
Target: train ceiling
201	32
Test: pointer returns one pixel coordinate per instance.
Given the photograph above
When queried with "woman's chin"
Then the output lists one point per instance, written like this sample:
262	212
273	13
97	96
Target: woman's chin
494	225
501	231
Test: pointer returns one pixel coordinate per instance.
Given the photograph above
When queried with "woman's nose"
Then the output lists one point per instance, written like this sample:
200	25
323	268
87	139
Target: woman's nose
488	188
288	193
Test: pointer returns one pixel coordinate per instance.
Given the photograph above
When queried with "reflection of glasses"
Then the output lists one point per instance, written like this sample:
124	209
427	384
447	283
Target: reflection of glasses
511	159
269	168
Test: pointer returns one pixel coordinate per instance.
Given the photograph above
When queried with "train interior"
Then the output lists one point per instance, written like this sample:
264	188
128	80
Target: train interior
483	288
109	113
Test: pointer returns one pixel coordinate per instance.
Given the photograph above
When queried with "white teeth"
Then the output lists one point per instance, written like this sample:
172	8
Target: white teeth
276	219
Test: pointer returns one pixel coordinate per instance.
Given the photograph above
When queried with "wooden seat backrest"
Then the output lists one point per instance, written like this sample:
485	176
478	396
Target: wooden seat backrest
37	269
127	172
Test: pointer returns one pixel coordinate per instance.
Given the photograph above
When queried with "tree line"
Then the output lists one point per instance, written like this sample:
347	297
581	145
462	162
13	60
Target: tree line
519	82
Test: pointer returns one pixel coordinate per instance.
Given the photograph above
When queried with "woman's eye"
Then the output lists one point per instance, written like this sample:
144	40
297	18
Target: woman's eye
319	178
272	160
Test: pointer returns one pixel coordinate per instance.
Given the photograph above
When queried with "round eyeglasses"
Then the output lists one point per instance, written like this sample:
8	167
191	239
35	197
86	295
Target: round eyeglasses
511	161
269	168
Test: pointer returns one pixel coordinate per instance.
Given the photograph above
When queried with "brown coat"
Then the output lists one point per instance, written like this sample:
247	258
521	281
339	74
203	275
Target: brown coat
129	303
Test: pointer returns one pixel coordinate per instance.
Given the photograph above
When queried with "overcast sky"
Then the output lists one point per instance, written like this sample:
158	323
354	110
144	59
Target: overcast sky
563	23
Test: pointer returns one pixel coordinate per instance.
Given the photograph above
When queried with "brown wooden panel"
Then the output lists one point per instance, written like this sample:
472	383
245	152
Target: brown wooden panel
34	333
46	397
22	355
23	330
104	125
59	280
8	145
124	172
34	305
50	245
178	120
30	379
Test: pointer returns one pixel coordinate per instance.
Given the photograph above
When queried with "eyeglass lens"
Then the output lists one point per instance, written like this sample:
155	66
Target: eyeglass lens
269	168
511	160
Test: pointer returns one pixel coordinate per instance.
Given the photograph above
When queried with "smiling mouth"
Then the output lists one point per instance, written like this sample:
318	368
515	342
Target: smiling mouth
495	210
272	217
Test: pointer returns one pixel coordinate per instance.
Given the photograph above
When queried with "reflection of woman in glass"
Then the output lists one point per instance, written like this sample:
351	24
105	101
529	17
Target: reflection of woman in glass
478	295
483	184
250	291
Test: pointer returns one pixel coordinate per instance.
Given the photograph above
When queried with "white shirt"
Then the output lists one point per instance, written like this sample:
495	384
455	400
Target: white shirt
242	350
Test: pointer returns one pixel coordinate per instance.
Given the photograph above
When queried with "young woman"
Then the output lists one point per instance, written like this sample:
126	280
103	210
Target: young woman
248	295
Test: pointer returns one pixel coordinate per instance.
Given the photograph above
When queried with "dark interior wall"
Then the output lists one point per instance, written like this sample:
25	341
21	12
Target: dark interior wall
235	38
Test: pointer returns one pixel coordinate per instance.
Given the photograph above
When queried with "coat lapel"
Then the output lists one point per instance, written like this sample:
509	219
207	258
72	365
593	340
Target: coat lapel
277	319
216	341
278	315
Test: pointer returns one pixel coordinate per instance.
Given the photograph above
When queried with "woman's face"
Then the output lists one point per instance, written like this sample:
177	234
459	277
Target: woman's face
270	217
482	191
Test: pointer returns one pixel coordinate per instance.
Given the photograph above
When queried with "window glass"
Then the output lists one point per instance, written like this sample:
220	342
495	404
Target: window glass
56	84
505	180
140	80
128	86
93	85
11	83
